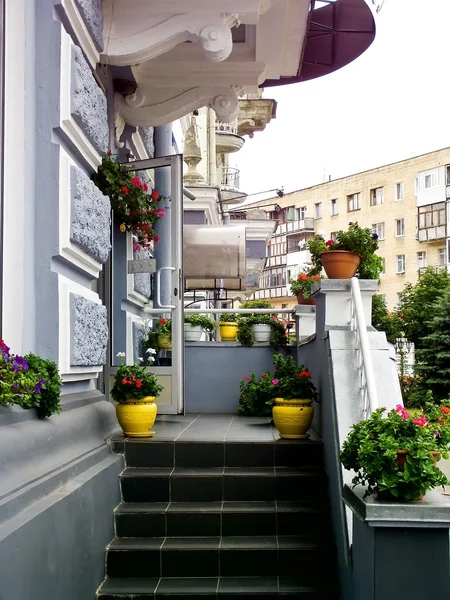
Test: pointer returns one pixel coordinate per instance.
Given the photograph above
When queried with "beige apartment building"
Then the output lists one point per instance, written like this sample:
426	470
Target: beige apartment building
405	203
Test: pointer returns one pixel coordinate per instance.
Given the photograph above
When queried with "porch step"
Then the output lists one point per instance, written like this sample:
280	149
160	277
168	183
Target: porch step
221	520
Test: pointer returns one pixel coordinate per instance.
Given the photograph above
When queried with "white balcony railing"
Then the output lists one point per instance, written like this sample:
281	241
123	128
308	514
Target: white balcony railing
224	128
230	179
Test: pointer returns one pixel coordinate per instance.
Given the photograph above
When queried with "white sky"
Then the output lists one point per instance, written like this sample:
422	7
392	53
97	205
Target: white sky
388	105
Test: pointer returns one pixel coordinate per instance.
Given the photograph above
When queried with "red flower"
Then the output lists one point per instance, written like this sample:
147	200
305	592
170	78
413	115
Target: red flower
136	181
155	195
139	383
303	277
445	410
329	243
316	276
304	374
125	381
162	321
145	187
109	153
155	238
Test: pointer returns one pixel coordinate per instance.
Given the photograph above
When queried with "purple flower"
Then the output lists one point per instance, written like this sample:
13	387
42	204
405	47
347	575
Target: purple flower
437	433
37	387
15	387
374	236
19	363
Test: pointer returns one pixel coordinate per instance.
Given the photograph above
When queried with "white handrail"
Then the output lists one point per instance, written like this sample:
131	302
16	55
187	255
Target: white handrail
366	365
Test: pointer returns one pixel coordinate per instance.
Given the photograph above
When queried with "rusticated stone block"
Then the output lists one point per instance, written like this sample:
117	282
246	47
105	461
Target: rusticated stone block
142	282
139	333
89	332
92	13
147	137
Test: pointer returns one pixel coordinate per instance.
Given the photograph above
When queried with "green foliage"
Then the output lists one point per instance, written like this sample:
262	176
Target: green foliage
303	283
292	381
130	199
151	341
382	320
278	337
164	327
202	321
433	358
134	381
29	381
418	302
228	318
356	239
256	304
371	451
256	395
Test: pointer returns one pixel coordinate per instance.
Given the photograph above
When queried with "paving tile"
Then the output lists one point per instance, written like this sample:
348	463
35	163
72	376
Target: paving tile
188	585
253	585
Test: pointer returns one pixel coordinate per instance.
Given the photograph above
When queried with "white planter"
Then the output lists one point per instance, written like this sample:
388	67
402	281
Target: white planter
261	333
192	333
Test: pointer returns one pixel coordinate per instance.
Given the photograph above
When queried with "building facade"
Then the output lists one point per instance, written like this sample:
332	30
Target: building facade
405	203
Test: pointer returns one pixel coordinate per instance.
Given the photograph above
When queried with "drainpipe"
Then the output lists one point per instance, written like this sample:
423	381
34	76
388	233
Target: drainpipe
212	161
163	147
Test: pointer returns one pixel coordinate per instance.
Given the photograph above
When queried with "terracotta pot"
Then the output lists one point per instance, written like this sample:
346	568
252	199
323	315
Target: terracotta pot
340	264
305	301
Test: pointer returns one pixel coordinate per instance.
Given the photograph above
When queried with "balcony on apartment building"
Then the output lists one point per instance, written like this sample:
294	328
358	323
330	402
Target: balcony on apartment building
432	223
229	186
227	138
432	193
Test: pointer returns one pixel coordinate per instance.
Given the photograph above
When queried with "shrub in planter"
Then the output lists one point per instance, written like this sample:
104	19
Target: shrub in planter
206	323
256	395
303	283
278	336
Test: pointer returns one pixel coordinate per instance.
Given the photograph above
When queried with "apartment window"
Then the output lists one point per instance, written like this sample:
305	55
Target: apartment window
301	213
378	228
318	210
334	207
399	299
400	264
447	175
428	181
376	196
333	236
290	213
399	227
442	257
432	215
354	202
421	260
400	191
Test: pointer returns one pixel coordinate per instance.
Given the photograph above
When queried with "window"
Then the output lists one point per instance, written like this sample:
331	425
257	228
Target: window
442	257
400	263
383	264
432	215
399	191
334	207
421	260
399	227
333	236
290	213
376	196
399	299
447	175
428	181
353	202
378	228
318	210
301	213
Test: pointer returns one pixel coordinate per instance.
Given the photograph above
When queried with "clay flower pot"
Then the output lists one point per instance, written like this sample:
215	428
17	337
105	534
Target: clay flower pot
305	301
340	264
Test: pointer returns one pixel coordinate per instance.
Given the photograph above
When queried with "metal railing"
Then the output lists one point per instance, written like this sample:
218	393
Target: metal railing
364	357
230	177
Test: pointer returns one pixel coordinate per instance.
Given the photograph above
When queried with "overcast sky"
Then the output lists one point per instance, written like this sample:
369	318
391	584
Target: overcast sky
388	105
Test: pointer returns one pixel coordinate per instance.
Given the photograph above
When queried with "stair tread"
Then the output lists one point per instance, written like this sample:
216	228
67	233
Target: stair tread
215	507
222	471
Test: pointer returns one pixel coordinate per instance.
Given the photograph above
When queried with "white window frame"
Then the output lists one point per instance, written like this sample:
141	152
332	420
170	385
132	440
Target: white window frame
301	213
399	191
421	259
399	226
377	196
442	253
400	266
379	229
334	207
318	210
354	202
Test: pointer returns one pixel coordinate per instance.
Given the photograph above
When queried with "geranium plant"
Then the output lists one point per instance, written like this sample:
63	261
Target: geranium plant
134	382
256	395
302	284
292	381
164	327
361	241
29	381
133	202
202	321
373	446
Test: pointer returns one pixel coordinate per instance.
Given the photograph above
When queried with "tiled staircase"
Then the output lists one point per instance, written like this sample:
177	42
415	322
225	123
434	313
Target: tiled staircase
221	520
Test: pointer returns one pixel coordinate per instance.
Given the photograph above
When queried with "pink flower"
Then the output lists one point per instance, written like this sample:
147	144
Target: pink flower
275	381
156	238
246	378
145	187
421	421
160	212
399	408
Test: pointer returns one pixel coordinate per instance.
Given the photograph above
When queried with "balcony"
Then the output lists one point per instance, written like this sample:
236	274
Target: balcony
229	186
227	138
431	234
297	226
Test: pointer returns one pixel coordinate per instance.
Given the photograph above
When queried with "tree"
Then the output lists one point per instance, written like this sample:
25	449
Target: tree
382	320
418	300
434	354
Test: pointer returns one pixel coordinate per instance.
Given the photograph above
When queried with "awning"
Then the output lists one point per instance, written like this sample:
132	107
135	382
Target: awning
337	34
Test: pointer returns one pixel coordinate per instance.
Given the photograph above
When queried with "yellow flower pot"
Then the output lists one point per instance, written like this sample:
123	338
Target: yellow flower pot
228	332
164	342
136	417
293	417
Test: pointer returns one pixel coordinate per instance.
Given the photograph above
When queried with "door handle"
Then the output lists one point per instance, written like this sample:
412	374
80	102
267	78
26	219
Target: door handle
158	287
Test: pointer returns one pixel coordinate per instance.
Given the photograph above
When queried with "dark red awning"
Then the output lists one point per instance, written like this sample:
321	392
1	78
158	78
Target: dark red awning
337	34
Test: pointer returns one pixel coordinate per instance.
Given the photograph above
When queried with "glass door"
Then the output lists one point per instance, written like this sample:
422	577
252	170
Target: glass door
146	290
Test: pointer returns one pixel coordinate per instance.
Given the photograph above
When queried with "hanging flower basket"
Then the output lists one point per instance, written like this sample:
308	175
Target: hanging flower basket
133	202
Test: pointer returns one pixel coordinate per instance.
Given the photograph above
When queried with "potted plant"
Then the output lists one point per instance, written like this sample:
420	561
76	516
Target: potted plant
195	325
256	395
395	454
135	390
294	393
228	327
352	252
261	328
164	331
133	202
301	287
29	381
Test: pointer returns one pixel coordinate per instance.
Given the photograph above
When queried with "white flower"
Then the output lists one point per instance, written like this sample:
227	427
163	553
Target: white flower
140	359
151	351
151	359
121	355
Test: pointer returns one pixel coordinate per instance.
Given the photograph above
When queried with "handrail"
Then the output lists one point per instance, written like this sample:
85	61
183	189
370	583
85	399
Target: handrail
358	325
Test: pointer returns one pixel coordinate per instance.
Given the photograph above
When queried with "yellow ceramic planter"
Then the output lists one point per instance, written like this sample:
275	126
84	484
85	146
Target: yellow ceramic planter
228	332
136	417
293	417
164	342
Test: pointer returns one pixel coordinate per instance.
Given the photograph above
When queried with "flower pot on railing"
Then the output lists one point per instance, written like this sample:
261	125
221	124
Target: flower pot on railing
305	301
192	333
228	331
261	333
340	264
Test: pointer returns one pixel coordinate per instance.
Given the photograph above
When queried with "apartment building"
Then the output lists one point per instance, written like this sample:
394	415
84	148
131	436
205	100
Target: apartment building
405	203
